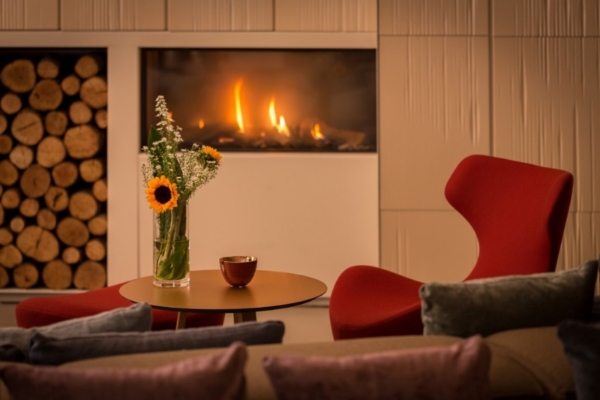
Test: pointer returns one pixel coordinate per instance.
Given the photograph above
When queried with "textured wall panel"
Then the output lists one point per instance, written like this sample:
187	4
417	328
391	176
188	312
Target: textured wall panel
41	14
433	112
143	15
220	15
12	14
90	15
546	96
581	241
30	15
549	18
433	17
326	15
428	245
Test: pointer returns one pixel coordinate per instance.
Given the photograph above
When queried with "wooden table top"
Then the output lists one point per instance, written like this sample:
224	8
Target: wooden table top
209	292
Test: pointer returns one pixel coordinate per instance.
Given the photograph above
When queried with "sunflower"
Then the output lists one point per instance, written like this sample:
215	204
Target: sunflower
162	194
213	153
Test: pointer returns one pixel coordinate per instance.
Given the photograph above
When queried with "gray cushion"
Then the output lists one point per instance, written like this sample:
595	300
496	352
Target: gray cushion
137	317
581	343
53	351
486	306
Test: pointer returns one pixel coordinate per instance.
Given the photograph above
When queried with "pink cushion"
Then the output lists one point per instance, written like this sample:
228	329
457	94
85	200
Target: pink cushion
41	311
457	372
216	376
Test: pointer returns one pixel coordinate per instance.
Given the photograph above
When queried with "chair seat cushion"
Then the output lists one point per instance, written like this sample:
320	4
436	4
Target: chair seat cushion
40	311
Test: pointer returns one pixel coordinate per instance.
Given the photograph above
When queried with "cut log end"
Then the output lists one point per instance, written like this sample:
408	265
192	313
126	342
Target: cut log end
90	275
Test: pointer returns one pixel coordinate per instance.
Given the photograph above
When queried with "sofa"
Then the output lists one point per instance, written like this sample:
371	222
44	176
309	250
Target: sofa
525	364
515	337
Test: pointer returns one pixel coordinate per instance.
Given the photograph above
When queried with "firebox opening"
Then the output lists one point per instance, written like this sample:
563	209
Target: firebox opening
265	100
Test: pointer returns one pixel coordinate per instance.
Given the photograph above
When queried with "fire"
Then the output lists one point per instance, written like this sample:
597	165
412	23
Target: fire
272	115
201	123
316	132
238	105
281	127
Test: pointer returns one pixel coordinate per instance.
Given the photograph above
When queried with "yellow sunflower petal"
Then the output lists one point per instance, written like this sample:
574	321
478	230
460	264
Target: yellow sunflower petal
167	194
212	152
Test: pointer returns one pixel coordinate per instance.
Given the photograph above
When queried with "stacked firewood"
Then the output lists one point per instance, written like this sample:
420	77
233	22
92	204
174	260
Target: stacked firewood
53	189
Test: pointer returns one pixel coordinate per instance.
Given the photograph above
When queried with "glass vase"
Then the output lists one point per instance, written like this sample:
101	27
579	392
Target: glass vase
172	247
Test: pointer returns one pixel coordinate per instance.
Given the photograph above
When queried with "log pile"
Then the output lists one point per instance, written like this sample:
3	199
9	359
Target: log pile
53	190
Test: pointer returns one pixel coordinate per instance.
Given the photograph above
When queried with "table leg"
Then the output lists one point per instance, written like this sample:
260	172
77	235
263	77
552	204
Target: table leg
244	317
180	320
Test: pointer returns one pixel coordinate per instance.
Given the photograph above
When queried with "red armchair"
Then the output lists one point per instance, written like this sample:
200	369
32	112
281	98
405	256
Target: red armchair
40	311
518	212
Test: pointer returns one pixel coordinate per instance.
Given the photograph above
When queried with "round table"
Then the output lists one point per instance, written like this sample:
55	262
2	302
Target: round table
208	292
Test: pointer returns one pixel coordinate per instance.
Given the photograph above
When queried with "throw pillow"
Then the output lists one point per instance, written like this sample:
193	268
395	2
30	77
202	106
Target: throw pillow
216	376
486	306
137	317
457	372
54	351
581	343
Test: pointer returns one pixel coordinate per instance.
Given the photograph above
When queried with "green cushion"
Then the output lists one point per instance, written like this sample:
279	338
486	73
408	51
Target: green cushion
486	306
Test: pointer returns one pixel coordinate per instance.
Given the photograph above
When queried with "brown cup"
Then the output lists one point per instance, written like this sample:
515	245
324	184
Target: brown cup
238	271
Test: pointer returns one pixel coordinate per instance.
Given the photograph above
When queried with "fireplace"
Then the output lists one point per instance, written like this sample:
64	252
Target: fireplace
265	100
310	212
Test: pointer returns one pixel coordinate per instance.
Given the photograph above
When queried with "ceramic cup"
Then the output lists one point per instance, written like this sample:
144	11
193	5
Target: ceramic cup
238	271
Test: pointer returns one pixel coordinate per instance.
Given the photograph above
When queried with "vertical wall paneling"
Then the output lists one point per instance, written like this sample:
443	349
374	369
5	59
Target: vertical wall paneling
433	112
90	15
550	18
326	15
581	240
428	245
143	15
546	102
433	17
41	14
12	12
220	15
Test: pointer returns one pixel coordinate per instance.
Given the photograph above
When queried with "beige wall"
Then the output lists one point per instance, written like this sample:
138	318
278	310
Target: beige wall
511	78
515	79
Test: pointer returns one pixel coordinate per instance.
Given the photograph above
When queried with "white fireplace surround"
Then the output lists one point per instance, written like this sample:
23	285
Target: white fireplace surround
307	213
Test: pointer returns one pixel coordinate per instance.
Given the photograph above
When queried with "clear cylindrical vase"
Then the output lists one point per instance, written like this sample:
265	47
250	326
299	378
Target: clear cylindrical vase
172	247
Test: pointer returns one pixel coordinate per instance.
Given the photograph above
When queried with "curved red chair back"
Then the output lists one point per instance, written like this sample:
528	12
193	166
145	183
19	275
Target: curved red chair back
517	210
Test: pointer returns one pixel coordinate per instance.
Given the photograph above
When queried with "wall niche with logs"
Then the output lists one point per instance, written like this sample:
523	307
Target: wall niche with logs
53	193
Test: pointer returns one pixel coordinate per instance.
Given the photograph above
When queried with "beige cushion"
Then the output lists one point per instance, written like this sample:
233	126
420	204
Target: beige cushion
539	352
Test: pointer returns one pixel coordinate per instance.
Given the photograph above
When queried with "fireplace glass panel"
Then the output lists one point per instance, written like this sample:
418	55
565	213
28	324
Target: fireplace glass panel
265	100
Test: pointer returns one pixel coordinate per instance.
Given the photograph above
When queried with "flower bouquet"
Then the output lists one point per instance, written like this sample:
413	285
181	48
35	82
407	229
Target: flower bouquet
171	177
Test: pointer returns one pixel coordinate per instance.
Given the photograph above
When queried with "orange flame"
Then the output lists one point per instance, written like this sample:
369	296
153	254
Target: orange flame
201	123
316	132
272	115
281	127
238	105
